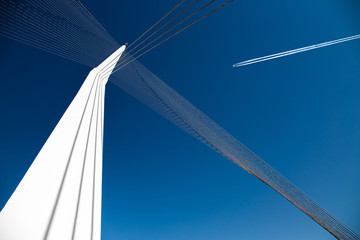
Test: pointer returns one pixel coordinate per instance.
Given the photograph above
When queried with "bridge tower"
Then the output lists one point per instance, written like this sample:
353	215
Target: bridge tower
60	195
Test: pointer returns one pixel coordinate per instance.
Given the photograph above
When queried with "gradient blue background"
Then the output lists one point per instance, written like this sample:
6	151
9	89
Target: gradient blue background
300	114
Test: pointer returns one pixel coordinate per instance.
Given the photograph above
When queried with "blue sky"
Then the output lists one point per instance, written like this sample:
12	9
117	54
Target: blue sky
299	113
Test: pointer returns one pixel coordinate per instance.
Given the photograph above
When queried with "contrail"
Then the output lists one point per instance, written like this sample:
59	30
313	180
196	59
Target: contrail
298	50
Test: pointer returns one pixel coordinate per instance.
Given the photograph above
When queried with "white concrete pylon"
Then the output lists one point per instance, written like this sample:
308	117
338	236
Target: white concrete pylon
60	195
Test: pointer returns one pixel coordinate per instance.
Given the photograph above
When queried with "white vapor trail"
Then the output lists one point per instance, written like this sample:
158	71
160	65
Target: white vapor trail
298	50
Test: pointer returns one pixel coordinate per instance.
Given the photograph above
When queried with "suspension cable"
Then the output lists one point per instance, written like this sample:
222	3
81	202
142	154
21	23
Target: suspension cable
162	27
218	8
127	53
168	30
157	23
